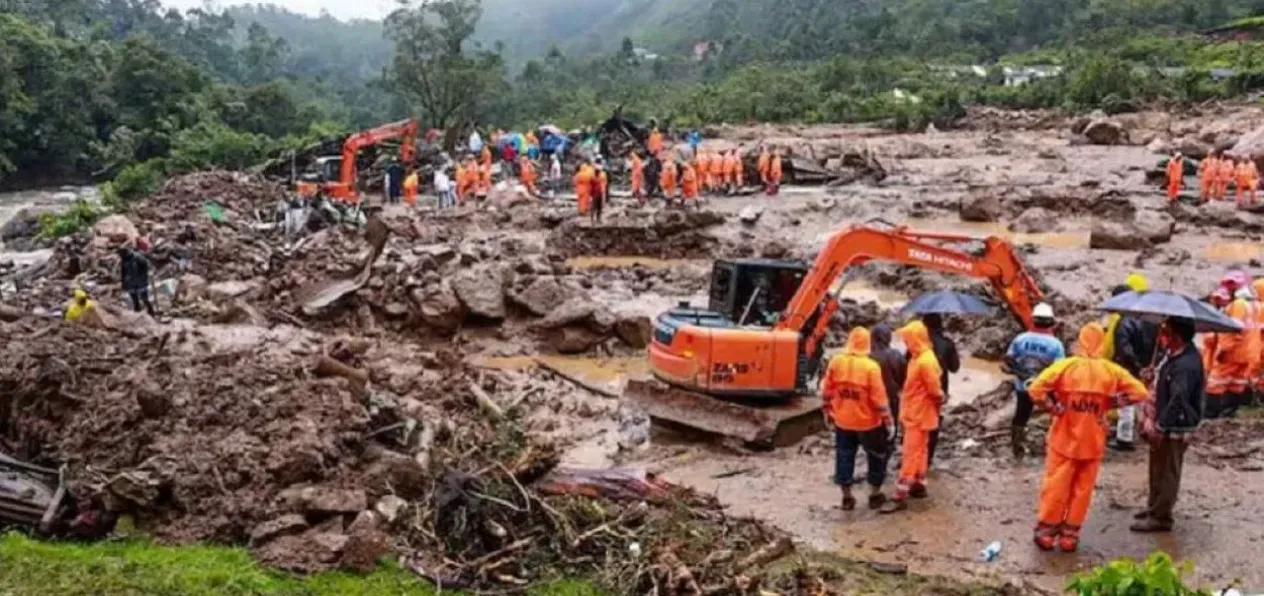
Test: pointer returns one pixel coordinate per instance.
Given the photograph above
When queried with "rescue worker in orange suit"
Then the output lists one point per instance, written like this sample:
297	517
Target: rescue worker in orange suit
484	185
411	181
1257	376
485	158
1246	179
730	171
583	182
773	186
1227	357
1175	176
856	402
739	170
601	185
920	402
1207	169
764	163
527	175
655	142
688	185
667	177
715	172
700	164
466	179
1078	391
637	170
1224	176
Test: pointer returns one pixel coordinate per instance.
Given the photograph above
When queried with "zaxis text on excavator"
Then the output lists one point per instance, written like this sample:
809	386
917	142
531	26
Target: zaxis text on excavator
745	366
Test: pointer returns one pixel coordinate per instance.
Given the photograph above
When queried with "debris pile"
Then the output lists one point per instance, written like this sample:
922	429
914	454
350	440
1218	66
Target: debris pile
665	234
334	455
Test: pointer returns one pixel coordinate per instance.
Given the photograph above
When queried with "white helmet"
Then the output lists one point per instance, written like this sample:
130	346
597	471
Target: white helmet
1042	311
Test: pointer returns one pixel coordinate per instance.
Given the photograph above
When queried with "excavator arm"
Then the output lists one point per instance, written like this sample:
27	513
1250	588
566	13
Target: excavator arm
407	129
999	265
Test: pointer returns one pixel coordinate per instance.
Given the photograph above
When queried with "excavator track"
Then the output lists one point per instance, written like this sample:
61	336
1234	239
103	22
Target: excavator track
769	424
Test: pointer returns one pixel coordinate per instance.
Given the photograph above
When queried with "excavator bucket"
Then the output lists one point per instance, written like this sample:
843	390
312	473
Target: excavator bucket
776	424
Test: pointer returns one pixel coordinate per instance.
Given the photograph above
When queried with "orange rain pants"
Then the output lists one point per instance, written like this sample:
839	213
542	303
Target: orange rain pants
667	179
774	175
1227	357
1224	175
689	184
527	176
638	176
919	414
1067	490
765	162
1175	178
583	188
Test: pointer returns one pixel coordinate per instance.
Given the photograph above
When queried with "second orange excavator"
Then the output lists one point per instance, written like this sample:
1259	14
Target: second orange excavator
745	366
335	176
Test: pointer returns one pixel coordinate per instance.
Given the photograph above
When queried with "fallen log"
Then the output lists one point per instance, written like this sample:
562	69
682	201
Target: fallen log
767	553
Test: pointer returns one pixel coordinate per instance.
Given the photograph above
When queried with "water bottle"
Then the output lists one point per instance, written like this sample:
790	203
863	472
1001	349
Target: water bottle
990	553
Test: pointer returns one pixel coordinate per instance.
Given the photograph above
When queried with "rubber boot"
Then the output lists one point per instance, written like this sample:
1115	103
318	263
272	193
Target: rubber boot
1046	536
1018	441
1069	539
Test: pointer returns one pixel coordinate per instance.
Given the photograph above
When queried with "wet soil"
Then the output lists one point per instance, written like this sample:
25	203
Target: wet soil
497	296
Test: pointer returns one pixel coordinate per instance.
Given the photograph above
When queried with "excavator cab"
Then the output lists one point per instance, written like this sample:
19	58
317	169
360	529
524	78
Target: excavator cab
754	291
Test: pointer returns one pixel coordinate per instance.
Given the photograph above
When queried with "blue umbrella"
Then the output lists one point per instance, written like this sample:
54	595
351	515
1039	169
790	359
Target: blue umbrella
1164	305
946	302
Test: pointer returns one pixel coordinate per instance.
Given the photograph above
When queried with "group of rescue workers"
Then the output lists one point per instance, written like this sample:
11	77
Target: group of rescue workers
683	173
871	390
1215	173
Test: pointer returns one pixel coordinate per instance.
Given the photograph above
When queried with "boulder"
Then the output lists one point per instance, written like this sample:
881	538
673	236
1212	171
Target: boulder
775	249
286	525
542	296
572	340
1036	220
1159	146
481	291
366	543
115	228
323	499
24	224
1106	132
634	330
309	552
568	313
750	215
389	507
438	306
1149	228
226	291
1079	124
1192	148
984	207
1155	226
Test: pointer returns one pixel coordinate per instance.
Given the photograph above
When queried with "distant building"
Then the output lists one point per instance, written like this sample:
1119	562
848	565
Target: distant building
1022	75
644	54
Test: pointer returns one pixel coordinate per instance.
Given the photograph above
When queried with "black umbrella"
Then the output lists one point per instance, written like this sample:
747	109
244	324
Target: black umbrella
1162	305
945	302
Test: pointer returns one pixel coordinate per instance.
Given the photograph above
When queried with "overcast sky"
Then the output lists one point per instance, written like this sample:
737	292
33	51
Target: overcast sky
343	9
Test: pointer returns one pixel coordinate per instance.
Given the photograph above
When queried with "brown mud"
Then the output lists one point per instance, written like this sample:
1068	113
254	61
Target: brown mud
489	344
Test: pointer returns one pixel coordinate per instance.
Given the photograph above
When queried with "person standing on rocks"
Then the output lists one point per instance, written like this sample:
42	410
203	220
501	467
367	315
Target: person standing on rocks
1029	355
636	170
1224	176
583	183
1078	391
1207	169
601	186
856	402
1174	415
394	181
763	164
773	186
555	174
1247	180
134	270
922	398
894	368
1175	176
949	362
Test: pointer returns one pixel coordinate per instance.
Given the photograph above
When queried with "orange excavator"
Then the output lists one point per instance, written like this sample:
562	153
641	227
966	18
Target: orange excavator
335	176
745	366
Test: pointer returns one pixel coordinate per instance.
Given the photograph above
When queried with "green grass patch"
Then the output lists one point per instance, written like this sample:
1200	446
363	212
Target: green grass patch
33	567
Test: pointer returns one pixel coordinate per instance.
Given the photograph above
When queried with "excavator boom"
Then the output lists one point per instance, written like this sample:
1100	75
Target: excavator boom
345	187
698	357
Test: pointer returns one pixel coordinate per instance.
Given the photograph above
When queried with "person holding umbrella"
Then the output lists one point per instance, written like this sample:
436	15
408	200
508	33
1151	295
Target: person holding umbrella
1179	402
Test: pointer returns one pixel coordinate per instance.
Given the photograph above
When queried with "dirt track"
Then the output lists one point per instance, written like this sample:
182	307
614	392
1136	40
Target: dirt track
497	287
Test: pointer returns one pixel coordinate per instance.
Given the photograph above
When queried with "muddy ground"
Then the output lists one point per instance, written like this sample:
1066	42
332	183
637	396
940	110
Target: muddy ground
521	300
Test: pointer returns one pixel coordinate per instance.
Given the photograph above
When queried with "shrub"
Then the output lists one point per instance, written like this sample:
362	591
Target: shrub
1126	577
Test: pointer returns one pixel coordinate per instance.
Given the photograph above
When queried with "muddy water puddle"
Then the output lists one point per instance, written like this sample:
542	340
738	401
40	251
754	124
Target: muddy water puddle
863	291
1234	251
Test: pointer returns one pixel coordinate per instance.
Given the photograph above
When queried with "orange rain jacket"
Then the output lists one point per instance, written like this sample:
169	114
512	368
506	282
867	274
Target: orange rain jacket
655	142
923	396
638	173
1175	172
667	178
1084	387
583	187
765	162
1232	350
853	391
688	182
774	169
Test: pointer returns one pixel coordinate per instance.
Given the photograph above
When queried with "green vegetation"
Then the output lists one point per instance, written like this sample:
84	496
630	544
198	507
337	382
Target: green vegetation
1126	577
35	568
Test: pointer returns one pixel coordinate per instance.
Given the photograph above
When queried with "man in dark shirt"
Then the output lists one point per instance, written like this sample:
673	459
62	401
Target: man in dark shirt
1178	409
949	361
134	270
893	364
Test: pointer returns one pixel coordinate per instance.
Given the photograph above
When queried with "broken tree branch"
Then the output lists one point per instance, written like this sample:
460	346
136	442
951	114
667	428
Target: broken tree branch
485	402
